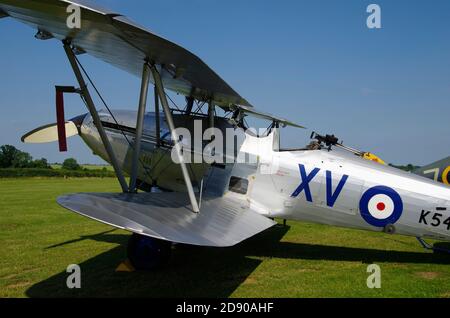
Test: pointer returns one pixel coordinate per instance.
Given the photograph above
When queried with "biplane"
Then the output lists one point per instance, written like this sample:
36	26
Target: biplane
195	190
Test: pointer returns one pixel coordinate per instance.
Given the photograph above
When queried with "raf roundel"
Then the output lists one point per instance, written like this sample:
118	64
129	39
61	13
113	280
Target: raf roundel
381	206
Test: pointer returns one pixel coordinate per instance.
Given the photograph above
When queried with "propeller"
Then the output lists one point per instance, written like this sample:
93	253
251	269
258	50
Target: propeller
49	133
62	129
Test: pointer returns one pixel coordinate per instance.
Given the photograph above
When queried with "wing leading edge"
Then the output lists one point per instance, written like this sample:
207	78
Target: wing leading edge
116	40
222	222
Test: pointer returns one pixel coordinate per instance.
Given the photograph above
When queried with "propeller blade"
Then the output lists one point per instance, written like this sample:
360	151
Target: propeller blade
49	133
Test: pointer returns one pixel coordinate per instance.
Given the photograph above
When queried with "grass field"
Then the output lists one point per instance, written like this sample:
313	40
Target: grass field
39	240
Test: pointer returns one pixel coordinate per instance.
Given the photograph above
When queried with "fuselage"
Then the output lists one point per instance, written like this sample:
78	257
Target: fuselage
319	186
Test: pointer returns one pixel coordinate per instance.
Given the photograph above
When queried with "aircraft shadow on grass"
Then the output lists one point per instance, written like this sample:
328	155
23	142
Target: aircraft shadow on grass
204	272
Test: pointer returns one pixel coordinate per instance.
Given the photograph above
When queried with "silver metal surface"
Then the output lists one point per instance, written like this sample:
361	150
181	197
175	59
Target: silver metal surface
157	118
139	126
122	43
96	118
275	176
417	194
222	223
175	138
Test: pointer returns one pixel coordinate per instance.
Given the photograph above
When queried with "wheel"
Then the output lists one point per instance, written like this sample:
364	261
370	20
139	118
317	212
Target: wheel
389	229
146	253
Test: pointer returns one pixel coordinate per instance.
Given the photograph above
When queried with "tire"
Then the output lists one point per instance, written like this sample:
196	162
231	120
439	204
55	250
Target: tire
146	253
389	229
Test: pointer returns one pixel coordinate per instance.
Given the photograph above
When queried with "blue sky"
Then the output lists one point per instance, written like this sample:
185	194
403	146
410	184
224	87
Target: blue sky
314	62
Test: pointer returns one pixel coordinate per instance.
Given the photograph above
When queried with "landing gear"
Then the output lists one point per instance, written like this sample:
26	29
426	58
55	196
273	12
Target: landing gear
146	253
437	248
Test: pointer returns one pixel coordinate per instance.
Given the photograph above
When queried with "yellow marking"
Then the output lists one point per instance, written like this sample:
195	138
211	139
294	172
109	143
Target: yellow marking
125	267
445	176
372	157
435	171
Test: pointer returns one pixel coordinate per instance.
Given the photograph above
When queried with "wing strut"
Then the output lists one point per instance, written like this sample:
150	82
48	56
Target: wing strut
157	119
211	114
190	104
139	126
165	105
95	116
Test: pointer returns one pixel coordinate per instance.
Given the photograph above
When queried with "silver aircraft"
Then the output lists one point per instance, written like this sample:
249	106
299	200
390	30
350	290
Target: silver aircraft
195	189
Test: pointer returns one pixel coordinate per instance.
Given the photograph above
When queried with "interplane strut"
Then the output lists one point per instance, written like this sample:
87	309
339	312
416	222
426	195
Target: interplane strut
139	126
165	105
95	117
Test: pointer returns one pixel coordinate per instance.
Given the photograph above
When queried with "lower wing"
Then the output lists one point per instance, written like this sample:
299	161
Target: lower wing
222	222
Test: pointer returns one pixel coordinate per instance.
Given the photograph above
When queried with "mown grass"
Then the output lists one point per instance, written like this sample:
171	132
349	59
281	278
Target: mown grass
39	240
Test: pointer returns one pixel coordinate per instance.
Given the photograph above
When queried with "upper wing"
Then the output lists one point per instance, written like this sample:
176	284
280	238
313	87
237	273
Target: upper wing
256	113
114	39
221	222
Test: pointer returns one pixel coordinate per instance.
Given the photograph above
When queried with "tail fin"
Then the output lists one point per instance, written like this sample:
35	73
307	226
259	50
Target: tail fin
438	171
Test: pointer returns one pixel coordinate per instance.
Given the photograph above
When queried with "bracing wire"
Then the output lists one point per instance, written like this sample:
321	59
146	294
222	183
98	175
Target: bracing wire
121	130
171	100
112	116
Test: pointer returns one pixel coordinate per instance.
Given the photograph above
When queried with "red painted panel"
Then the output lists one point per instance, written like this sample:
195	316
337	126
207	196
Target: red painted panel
61	122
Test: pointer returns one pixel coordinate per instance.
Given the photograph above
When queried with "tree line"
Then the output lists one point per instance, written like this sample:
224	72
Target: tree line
11	157
16	163
14	160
